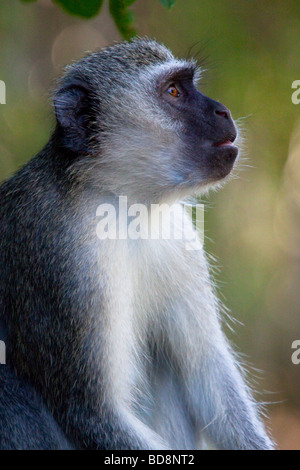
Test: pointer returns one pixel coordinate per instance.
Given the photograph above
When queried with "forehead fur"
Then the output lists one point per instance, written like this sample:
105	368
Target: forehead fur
139	52
108	71
125	57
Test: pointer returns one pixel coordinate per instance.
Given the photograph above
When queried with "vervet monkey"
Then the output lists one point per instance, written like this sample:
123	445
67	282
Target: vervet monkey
117	343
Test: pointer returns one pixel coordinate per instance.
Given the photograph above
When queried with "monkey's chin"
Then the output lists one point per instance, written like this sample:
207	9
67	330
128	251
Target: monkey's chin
209	173
218	170
222	162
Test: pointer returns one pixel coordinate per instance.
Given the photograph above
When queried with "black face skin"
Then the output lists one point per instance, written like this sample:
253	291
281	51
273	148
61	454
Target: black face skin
208	129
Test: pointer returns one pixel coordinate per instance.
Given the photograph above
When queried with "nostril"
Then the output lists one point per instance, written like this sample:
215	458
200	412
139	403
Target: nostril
222	113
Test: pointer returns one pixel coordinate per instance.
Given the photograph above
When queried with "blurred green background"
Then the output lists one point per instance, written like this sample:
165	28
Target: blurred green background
251	50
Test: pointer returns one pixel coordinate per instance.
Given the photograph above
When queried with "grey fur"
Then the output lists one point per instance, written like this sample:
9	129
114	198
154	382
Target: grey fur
117	344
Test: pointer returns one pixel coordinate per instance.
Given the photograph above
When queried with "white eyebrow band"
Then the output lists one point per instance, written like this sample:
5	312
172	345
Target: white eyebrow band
172	68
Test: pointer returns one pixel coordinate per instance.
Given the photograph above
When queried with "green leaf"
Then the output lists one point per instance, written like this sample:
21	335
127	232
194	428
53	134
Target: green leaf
127	3
27	1
168	3
123	17
83	8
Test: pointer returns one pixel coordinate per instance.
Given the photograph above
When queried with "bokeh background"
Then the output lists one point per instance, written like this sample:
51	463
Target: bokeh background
251	50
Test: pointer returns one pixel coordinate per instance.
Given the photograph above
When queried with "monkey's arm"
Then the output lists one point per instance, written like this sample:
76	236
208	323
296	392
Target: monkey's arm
217	397
216	393
222	405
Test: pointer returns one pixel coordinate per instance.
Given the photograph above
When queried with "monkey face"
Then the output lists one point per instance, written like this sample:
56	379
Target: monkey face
181	141
204	127
134	118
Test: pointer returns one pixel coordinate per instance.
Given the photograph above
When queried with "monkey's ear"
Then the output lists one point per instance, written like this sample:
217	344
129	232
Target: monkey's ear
73	114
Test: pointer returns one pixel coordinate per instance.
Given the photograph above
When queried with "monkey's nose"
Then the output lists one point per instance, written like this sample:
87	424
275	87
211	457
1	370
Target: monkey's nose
223	112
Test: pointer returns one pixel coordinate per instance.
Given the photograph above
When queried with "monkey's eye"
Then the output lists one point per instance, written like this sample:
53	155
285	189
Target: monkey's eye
173	91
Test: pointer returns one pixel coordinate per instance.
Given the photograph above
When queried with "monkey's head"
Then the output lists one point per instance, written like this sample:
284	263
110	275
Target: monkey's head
133	117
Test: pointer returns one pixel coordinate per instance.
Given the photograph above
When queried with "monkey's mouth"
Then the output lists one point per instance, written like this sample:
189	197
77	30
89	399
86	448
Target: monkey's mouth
226	143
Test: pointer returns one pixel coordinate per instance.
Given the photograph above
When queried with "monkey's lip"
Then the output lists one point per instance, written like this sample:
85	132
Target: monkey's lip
225	143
